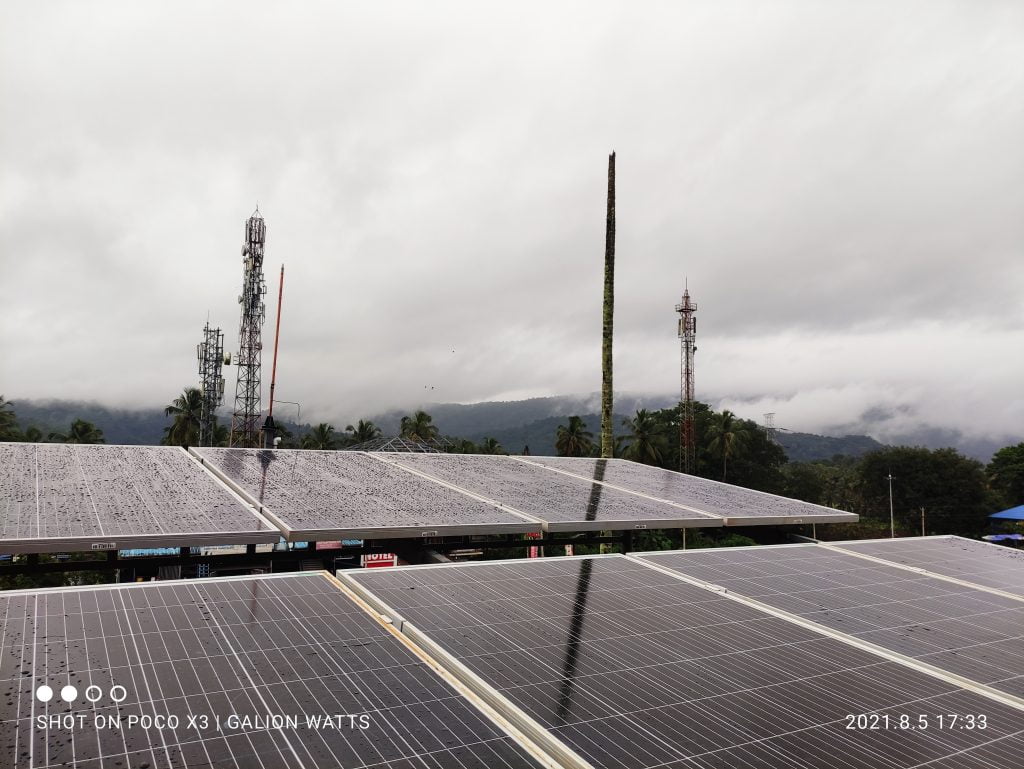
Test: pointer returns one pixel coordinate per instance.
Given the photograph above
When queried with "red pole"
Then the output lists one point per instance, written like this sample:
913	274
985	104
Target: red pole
277	336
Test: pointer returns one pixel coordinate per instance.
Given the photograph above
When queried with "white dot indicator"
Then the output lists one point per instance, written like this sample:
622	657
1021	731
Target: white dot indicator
69	693
44	693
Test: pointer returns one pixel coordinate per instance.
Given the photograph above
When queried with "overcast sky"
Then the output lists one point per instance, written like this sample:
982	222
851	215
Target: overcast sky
841	182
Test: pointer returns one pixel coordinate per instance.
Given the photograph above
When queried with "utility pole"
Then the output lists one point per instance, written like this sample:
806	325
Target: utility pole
245	427
922	522
269	427
892	518
607	438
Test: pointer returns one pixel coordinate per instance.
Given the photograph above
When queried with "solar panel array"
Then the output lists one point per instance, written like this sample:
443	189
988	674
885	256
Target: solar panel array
633	668
971	632
59	497
739	506
978	562
343	494
219	656
564	503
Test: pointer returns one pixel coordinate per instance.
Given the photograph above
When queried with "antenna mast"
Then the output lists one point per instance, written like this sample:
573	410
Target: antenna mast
687	337
245	427
211	356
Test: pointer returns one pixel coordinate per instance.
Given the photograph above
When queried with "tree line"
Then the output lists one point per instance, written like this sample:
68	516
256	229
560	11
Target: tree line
934	491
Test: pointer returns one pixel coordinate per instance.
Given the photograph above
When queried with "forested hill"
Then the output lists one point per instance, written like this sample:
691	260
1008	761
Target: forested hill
515	424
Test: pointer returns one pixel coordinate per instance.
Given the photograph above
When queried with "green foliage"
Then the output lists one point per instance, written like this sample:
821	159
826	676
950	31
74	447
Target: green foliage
1006	475
728	436
491	446
950	487
321	437
645	440
8	422
363	431
80	432
574	440
187	412
419	427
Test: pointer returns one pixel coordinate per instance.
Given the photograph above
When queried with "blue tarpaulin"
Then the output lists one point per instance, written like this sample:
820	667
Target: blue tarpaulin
1013	514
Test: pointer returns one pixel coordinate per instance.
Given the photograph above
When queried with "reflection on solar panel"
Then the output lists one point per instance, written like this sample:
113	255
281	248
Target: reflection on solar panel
739	506
61	497
966	631
341	494
224	656
978	562
634	668
563	502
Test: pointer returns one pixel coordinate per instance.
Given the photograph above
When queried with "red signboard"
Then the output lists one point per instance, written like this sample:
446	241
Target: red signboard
378	560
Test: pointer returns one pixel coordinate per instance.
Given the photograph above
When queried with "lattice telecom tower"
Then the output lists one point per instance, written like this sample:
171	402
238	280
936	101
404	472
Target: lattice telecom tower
211	357
769	426
245	420
687	337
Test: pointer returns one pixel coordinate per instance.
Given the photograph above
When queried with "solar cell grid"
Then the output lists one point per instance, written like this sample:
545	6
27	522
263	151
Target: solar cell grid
992	566
738	505
59	497
289	646
565	503
634	668
335	494
966	631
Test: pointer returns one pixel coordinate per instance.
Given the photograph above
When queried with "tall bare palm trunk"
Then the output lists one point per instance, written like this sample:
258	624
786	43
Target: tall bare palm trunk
607	441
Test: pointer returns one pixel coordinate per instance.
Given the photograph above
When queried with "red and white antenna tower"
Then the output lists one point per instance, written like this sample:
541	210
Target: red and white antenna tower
687	338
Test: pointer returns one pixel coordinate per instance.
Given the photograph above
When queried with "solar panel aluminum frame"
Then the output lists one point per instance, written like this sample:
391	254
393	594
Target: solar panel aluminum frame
383	532
727	520
605	524
111	543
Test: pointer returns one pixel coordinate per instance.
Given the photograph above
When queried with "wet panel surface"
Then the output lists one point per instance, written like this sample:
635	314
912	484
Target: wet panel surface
550	496
340	491
966	631
703	494
222	656
634	668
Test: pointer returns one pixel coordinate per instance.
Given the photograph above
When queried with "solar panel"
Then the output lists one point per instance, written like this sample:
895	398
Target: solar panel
739	506
970	632
351	495
633	668
65	497
993	566
233	660
563	502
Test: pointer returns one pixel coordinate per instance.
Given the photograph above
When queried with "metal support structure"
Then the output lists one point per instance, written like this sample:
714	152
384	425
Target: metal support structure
687	417
769	427
892	515
269	427
211	384
245	420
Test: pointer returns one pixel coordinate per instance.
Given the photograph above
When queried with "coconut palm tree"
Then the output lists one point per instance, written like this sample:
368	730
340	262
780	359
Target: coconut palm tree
574	440
419	427
607	314
187	412
645	439
491	446
80	432
221	434
321	437
728	437
32	434
364	431
8	422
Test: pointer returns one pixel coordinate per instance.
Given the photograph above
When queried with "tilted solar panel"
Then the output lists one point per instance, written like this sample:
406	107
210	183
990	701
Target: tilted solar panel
632	667
739	506
347	494
563	502
64	497
993	566
281	672
970	632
